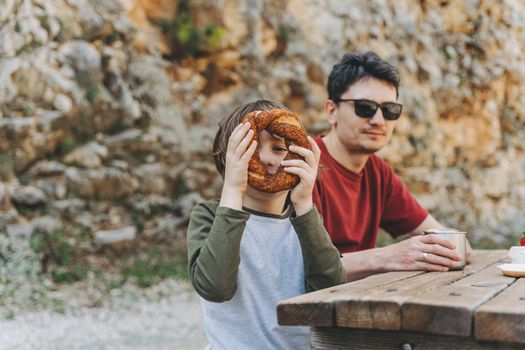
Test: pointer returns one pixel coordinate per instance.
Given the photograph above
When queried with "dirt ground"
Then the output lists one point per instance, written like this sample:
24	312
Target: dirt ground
129	323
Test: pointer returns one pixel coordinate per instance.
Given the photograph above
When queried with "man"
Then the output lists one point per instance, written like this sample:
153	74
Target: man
356	191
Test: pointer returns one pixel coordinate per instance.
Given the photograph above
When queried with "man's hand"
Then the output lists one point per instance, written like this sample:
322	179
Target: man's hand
431	223
301	195
421	252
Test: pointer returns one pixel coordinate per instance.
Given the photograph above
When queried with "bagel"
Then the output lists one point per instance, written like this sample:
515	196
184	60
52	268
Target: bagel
282	123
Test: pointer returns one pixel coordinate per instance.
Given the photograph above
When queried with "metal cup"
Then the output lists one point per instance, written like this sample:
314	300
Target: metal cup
459	238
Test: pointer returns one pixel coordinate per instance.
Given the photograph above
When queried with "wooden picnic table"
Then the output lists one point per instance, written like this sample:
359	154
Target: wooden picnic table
477	308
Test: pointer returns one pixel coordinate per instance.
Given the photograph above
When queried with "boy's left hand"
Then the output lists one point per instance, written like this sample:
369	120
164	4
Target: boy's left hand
301	195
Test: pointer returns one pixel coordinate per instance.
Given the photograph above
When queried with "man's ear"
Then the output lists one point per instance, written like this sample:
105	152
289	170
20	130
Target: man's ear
330	109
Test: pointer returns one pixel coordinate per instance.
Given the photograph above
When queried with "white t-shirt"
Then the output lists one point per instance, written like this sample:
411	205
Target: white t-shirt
271	270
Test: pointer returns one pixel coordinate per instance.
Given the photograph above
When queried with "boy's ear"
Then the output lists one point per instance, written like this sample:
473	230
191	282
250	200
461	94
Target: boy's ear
330	109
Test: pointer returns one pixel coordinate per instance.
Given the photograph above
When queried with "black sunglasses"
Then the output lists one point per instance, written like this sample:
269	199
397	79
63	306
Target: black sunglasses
367	108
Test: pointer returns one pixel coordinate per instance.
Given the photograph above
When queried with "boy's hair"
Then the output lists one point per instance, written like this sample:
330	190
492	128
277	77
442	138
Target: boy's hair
356	66
229	123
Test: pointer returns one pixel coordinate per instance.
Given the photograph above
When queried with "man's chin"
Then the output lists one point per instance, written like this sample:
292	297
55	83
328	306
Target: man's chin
370	149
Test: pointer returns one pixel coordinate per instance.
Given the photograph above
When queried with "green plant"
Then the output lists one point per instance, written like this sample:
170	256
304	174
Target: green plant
283	37
154	266
24	180
66	145
144	123
37	242
59	306
112	37
214	35
70	274
62	254
186	38
28	47
92	93
9	315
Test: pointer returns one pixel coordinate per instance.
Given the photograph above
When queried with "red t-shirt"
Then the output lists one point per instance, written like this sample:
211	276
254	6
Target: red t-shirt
354	206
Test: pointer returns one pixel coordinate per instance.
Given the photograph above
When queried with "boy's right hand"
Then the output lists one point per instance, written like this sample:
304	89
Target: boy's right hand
238	155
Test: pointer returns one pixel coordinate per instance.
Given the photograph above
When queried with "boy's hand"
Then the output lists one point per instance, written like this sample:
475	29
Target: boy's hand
301	195
238	155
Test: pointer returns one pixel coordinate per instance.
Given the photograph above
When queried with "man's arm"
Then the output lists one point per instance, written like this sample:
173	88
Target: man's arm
407	255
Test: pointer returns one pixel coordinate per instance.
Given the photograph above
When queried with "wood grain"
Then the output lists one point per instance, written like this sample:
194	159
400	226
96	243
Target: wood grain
450	309
380	308
318	308
503	317
349	338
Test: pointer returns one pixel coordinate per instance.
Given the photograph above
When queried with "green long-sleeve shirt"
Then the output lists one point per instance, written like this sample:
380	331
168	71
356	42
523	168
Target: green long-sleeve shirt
214	241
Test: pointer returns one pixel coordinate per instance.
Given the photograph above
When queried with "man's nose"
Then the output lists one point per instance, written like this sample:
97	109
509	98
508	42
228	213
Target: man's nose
377	118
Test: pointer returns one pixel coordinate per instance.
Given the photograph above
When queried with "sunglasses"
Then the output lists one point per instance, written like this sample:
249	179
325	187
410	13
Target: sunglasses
367	108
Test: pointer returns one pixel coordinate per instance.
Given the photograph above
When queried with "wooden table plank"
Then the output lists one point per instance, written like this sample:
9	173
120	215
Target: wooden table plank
503	317
317	308
450	309
380	308
334	338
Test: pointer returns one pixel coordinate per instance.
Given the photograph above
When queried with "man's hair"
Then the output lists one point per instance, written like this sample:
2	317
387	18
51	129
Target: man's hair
356	66
229	123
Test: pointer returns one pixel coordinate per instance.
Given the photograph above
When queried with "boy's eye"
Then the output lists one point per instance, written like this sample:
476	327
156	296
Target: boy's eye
280	148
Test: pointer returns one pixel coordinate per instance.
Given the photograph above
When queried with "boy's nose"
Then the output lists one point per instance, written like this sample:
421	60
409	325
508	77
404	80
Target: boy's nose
270	161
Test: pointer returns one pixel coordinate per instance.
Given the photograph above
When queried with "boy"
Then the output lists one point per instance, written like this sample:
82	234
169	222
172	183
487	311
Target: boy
251	249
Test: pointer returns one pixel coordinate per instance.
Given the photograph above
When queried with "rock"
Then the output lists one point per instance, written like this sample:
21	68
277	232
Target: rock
5	201
101	183
46	224
87	14
85	60
7	217
127	136
31	138
153	204
20	230
85	220
7	9
63	103
159	10
148	37
110	237
28	195
149	81
30	82
162	227
151	178
7	67
53	187
47	168
68	207
187	202
88	156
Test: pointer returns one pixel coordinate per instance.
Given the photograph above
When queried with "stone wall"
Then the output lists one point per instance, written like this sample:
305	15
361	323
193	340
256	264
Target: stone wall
108	107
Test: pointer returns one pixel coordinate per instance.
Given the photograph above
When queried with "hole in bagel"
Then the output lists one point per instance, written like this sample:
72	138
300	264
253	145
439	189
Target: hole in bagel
286	126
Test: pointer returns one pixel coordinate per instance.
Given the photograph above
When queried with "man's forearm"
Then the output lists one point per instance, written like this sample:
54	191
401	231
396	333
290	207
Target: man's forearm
363	263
